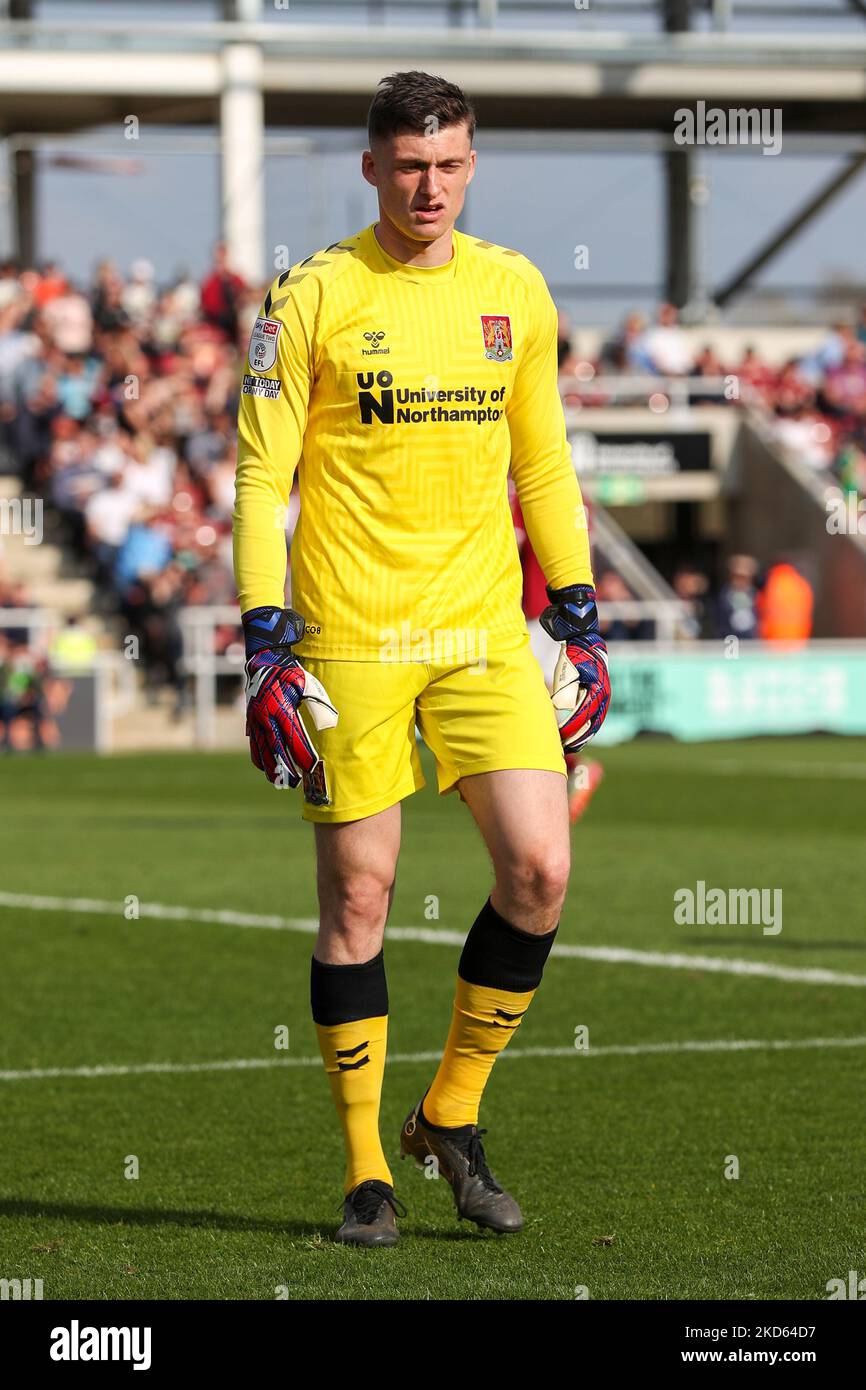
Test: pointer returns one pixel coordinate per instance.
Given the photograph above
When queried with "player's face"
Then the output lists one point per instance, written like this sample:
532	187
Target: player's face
421	180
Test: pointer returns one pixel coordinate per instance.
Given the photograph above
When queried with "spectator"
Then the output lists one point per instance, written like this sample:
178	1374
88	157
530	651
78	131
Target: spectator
73	648
51	285
221	294
612	588
666	345
831	353
139	294
844	390
70	322
77	384
785	605
708	364
757	380
736	609
9	287
625	352
691	585
108	515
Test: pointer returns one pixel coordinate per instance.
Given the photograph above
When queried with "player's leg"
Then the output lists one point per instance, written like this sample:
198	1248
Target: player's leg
493	731
356	867
523	817
371	763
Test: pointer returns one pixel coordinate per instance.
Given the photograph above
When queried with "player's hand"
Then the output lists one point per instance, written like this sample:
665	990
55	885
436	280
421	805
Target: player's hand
581	683
277	686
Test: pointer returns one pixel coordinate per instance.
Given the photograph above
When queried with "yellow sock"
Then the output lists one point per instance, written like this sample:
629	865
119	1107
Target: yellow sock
481	1025
354	1057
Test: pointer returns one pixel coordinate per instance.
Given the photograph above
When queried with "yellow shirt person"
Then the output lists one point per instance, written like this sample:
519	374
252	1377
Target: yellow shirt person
401	395
400	373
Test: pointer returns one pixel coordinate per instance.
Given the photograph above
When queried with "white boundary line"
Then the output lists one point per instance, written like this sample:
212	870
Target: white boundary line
435	936
396	1059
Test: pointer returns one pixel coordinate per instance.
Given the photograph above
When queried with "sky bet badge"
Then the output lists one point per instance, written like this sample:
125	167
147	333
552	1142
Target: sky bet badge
263	344
497	337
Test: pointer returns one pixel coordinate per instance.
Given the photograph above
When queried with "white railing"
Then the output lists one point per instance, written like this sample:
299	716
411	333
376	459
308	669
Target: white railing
673	392
38	622
670	619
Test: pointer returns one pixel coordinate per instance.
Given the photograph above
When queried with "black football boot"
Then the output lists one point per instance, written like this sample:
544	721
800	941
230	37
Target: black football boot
460	1157
369	1215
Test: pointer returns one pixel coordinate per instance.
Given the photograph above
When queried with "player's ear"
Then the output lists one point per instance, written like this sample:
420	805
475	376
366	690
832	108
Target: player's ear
368	167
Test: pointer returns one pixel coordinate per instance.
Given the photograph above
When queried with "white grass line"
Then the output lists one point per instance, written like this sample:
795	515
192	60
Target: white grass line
675	960
163	911
396	1059
437	936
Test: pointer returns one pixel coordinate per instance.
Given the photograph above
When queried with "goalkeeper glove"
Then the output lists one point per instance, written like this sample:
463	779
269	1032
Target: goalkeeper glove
276	684
581	684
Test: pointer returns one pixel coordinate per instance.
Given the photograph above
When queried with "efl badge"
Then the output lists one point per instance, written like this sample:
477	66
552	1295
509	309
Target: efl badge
263	345
497	337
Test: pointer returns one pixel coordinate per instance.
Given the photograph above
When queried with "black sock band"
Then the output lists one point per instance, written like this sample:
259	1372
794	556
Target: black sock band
501	956
346	993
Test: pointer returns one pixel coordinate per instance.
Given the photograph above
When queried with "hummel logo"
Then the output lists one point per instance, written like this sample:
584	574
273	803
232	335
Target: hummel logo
375	349
510	1018
353	1052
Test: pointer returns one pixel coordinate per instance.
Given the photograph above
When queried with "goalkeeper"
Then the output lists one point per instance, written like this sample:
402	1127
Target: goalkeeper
399	372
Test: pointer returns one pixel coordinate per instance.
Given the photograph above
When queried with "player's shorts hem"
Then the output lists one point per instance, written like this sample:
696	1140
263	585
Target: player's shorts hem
336	815
448	780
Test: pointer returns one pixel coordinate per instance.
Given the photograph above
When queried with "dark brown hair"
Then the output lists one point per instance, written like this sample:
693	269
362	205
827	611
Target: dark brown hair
406	101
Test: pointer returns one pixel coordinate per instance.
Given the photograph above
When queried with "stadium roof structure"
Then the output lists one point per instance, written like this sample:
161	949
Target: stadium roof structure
261	67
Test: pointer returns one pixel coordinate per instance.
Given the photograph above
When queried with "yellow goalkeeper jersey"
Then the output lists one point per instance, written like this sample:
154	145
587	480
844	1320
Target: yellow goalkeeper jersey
402	395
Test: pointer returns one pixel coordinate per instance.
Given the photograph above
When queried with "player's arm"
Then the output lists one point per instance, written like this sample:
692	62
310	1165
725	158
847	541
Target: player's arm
555	521
272	418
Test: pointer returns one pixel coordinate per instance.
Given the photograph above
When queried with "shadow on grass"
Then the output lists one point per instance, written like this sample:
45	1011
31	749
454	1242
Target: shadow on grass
220	1220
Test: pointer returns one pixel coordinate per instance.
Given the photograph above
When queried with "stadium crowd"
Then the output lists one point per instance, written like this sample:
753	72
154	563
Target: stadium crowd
118	403
815	404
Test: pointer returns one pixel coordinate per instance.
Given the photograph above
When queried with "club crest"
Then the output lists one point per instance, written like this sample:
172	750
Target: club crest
497	337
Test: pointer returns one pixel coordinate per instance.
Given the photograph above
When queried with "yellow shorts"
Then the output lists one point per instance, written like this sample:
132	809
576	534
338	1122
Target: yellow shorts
480	716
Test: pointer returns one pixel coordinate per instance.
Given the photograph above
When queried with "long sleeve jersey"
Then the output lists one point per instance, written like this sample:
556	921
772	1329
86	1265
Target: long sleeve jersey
402	395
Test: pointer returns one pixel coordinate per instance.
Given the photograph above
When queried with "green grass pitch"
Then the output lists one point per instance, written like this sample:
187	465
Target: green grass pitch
617	1157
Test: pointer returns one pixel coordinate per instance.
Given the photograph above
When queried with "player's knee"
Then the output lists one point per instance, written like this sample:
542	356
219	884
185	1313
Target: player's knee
357	903
540	878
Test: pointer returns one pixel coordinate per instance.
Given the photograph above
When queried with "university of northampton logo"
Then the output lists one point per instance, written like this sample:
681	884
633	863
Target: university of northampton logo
497	337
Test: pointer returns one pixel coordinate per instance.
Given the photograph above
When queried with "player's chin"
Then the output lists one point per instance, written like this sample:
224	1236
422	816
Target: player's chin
428	228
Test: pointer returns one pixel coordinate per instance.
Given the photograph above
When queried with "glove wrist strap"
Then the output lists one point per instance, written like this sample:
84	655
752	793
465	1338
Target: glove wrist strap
267	628
572	612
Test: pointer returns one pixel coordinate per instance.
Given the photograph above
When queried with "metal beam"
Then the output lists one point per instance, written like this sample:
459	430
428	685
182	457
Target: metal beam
741	278
679	259
24	196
